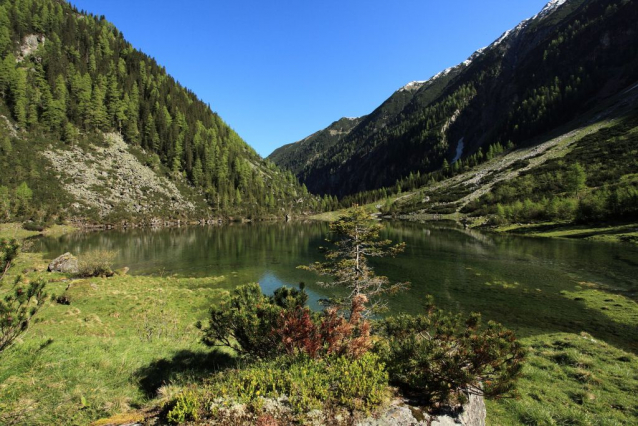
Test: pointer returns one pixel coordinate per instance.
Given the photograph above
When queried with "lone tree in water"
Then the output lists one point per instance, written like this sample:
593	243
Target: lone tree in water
357	240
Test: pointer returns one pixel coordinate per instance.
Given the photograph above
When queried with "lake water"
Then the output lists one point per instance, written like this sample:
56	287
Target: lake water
531	285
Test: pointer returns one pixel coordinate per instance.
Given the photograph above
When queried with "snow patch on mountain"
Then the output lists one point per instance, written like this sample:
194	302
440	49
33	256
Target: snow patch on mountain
549	8
413	85
443	73
473	56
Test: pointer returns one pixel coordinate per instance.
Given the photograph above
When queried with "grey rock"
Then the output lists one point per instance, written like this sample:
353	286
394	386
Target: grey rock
29	45
66	263
400	414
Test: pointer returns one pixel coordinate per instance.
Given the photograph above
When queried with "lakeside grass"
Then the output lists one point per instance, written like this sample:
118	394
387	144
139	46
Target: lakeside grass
609	233
625	233
109	351
15	230
123	339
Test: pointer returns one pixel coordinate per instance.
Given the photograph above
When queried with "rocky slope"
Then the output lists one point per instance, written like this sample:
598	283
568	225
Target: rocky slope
109	178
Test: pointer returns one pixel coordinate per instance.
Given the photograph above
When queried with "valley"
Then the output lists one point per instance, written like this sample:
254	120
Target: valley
465	252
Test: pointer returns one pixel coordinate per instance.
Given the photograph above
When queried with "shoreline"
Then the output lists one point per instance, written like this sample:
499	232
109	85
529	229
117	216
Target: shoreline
608	232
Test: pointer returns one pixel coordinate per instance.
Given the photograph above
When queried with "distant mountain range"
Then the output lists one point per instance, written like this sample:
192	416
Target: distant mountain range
547	71
91	128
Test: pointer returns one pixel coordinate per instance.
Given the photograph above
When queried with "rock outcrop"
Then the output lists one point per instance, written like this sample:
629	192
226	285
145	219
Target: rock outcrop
400	414
67	263
30	43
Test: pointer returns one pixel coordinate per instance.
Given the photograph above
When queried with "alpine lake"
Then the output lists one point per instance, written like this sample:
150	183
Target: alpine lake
532	285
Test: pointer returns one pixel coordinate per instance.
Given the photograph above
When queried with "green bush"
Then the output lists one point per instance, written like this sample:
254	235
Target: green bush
263	327
32	226
18	308
97	263
355	384
364	382
185	407
440	357
245	320
8	252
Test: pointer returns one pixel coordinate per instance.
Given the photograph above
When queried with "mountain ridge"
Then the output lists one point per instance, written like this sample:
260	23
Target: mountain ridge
529	80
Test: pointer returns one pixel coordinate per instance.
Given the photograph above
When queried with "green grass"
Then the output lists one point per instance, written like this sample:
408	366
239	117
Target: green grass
609	233
15	230
107	352
576	379
572	379
334	215
127	343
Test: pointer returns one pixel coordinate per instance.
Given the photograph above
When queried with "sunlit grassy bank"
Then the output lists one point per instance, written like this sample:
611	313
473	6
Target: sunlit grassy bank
572	379
108	351
610	233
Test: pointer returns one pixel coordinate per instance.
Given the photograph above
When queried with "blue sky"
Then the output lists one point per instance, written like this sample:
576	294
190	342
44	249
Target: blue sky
277	71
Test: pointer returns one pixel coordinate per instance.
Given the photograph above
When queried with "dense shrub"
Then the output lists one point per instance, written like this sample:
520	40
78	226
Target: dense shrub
555	208
327	334
32	226
363	383
97	263
439	356
185	407
341	382
258	326
618	204
245	320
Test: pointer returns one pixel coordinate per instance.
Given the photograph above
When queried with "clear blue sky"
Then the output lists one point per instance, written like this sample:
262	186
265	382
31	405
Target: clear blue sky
277	71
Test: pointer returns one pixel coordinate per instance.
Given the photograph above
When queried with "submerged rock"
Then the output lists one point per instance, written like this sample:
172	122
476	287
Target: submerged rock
67	263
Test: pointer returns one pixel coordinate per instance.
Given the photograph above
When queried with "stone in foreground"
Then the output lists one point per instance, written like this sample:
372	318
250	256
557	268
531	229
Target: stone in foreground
399	414
66	263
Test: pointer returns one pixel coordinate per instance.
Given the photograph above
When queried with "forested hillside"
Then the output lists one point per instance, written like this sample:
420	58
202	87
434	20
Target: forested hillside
299	155
67	78
544	73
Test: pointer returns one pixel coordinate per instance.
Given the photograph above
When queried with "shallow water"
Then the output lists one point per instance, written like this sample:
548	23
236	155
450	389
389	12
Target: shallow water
528	284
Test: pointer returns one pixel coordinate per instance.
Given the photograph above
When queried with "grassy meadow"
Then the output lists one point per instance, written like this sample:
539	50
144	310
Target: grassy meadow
118	341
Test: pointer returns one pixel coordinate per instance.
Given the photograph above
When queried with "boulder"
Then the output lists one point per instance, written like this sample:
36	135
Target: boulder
67	263
400	414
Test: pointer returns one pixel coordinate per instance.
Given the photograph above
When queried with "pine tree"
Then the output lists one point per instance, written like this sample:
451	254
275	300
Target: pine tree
5	35
18	88
198	173
347	263
98	115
